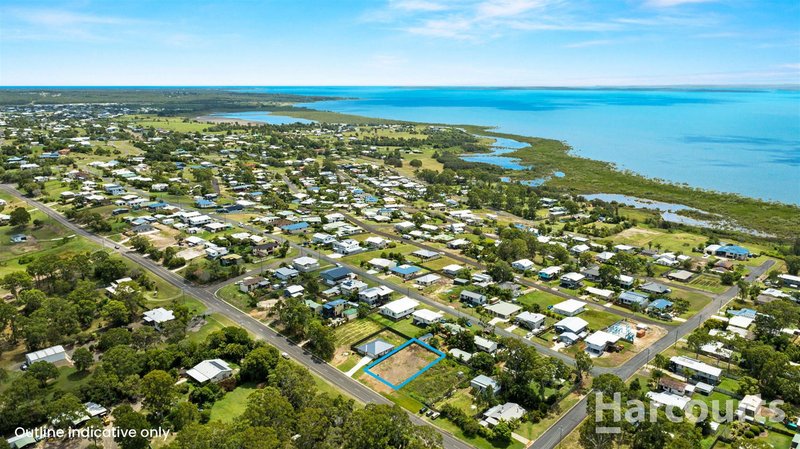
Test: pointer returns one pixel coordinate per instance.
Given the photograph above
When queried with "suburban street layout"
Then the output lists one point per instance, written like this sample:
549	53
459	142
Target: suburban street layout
346	282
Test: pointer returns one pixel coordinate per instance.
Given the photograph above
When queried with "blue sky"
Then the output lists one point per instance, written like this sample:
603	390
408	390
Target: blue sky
399	42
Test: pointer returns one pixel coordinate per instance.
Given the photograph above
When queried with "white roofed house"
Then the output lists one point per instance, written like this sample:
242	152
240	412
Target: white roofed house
305	264
570	307
483	383
695	368
572	280
473	298
213	370
425	317
158	317
485	345
522	264
399	308
503	412
598	342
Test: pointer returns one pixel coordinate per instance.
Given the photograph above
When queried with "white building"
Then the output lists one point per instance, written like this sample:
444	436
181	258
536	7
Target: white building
425	317
570	307
157	317
305	264
532	321
399	308
213	370
522	264
52	354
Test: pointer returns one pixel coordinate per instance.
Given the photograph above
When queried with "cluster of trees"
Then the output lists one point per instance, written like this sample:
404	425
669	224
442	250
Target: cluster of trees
302	324
56	300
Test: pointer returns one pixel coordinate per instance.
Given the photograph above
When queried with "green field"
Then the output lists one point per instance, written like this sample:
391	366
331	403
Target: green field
232	404
355	330
708	282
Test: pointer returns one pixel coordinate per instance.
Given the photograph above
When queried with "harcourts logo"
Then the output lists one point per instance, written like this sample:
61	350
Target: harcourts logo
611	413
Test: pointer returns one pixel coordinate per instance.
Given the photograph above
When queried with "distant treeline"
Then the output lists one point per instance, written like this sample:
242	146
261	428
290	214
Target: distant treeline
172	100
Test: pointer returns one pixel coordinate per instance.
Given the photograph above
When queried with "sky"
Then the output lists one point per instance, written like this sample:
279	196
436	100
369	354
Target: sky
399	42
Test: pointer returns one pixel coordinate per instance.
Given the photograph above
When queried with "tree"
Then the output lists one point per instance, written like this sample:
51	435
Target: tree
583	365
116	312
294	314
42	371
321	340
258	363
268	408
793	264
416	163
747	385
16	281
183	414
131	423
158	390
501	271
82	358
294	383
64	410
19	217
502	433
383	426
482	362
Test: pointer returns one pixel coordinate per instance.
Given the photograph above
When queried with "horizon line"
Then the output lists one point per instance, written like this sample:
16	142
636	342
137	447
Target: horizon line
477	86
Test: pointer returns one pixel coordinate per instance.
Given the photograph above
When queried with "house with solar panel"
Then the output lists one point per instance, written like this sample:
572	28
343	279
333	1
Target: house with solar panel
213	370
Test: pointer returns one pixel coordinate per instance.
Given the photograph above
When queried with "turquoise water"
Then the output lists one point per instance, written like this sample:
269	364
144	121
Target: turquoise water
742	141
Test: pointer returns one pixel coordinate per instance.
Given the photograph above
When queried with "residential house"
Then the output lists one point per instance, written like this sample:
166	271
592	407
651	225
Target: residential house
375	295
632	298
305	264
504	412
347	246
335	275
598	342
655	288
571	324
522	264
405	271
485	345
732	252
158	317
213	370
572	280
425	317
503	309
399	308
570	307
333	309
251	283
473	298
286	273
452	270
483	383
376	348
530	320
698	370
549	273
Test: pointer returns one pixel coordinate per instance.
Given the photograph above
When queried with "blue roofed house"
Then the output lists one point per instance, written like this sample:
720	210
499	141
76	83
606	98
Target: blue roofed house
335	275
660	306
732	252
296	228
405	271
333	309
203	203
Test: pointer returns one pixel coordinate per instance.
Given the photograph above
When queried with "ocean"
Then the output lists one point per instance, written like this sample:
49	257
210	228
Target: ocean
744	141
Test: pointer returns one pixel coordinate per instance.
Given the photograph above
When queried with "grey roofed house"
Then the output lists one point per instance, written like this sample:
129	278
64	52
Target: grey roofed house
680	275
503	309
472	297
654	288
52	354
210	370
504	412
375	348
530	320
459	354
483	382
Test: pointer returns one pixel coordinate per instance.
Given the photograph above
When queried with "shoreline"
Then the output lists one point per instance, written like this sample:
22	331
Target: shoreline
235	121
587	176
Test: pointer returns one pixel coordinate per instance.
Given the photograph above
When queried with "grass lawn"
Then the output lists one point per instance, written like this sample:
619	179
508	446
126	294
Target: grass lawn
232	404
431	385
532	431
234	296
214	322
696	301
70	379
173	124
9	257
542	298
708	282
598	319
355	330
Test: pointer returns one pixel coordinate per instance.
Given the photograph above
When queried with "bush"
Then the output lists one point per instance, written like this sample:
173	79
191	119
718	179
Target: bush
749	435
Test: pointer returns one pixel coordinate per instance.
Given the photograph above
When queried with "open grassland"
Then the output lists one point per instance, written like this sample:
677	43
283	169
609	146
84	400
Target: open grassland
347	334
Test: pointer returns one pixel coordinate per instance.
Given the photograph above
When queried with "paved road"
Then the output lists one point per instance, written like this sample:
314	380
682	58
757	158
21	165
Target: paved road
215	305
573	418
548	440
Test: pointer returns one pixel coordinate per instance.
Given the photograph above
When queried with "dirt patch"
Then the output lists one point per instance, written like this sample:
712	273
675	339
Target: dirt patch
404	363
653	334
637	233
375	384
